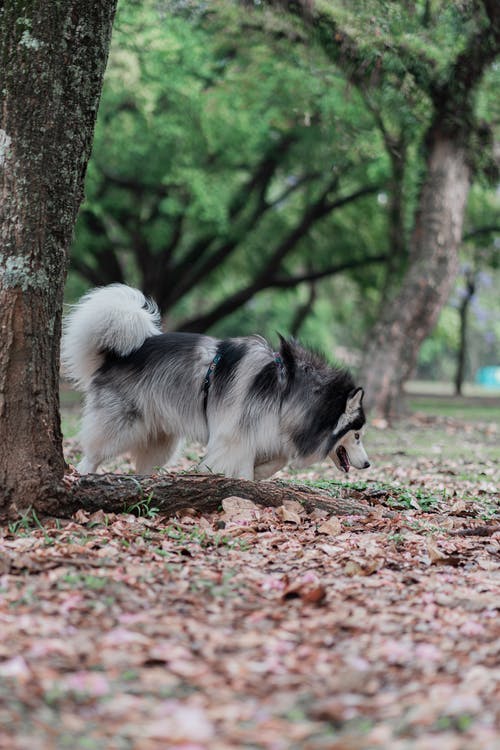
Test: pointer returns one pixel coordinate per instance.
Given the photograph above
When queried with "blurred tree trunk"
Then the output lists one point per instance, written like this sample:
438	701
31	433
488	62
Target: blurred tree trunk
408	318
53	59
463	311
393	346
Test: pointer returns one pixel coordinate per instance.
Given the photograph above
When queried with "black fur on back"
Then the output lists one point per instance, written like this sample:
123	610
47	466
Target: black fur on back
265	385
154	351
231	353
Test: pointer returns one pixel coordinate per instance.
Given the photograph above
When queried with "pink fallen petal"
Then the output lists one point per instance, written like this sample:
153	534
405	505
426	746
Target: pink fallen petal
180	722
120	636
472	627
15	667
397	652
71	602
428	652
94	684
273	584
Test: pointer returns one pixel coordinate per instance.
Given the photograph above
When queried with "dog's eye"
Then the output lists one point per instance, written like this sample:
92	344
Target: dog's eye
356	435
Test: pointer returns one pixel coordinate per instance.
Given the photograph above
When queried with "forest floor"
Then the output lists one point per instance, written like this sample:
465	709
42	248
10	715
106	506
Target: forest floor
269	628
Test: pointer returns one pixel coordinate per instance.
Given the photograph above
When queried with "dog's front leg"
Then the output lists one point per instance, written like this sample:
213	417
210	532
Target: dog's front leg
266	470
230	459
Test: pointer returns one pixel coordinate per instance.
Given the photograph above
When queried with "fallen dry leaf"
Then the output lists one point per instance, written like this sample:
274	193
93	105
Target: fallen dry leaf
363	568
288	515
239	509
331	527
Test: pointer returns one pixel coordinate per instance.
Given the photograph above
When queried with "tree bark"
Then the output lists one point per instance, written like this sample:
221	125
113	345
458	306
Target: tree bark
394	343
52	60
172	493
408	319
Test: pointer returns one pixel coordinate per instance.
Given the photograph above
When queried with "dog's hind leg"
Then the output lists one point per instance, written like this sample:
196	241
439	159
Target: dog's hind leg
89	464
104	436
154	455
97	443
95	450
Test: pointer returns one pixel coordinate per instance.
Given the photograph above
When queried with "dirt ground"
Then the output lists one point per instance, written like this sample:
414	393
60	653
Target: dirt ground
268	629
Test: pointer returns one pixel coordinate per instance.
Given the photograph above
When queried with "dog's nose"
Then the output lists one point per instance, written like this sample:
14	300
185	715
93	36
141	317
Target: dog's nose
367	464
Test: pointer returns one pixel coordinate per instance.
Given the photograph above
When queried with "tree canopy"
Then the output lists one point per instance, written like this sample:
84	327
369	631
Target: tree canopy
241	148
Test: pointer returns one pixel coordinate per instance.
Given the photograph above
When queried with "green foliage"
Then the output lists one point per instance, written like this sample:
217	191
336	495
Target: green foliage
198	98
393	494
194	107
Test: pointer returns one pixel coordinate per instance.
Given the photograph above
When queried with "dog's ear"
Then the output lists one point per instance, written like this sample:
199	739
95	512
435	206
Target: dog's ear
354	401
288	356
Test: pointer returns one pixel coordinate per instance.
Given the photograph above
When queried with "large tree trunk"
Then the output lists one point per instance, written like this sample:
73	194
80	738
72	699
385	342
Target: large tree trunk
393	347
53	56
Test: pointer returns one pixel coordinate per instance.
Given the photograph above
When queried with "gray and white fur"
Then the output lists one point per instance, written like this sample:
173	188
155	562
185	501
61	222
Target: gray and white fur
255	409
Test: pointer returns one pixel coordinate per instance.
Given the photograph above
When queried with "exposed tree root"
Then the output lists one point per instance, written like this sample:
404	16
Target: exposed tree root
171	493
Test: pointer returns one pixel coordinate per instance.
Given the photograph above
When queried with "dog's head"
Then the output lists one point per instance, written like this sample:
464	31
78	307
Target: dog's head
326	408
347	438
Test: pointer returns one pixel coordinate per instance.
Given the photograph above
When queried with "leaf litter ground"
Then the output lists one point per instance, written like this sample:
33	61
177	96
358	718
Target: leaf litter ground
268	628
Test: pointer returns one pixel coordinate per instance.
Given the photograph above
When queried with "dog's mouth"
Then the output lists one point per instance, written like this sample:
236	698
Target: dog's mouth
343	458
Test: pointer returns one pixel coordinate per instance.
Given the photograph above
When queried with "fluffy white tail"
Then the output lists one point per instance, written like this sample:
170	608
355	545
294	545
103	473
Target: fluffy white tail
113	318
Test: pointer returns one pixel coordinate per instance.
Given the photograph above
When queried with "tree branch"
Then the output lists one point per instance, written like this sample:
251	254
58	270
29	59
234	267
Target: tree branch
299	182
491	229
342	49
221	254
303	311
108	268
196	265
135	185
285	282
481	49
260	179
264	278
90	274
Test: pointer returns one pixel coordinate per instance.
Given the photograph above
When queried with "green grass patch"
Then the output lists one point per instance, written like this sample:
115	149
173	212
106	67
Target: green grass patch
392	495
457	409
201	537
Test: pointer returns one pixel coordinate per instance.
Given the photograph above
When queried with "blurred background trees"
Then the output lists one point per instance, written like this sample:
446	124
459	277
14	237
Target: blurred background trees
256	169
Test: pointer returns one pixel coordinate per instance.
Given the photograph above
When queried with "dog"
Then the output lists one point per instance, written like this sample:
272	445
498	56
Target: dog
254	408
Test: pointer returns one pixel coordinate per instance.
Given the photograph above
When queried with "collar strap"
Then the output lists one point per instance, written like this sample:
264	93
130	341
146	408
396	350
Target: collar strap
206	383
278	361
